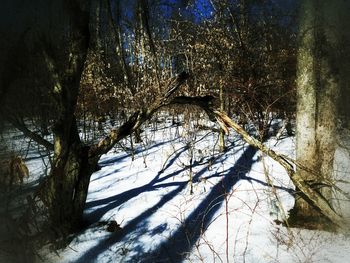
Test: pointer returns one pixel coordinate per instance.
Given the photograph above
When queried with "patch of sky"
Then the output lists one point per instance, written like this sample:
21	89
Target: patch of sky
204	9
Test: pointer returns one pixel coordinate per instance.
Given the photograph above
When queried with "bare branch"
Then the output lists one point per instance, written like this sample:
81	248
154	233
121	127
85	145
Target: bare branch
175	84
32	135
137	119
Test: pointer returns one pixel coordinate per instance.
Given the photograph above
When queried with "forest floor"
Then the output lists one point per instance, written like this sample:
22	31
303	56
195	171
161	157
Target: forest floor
175	198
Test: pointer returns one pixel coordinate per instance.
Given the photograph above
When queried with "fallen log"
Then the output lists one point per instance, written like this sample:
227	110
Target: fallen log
313	197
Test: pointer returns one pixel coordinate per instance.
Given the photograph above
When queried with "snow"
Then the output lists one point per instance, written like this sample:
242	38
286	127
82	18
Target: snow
230	216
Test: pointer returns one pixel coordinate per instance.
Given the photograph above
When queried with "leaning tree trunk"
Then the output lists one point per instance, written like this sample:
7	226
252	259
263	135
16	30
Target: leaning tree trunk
317	100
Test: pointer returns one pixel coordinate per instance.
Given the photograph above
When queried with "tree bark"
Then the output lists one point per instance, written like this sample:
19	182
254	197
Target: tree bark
64	190
318	88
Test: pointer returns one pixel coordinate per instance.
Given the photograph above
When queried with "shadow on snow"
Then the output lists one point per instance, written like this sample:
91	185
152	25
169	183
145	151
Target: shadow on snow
176	248
180	243
137	150
116	200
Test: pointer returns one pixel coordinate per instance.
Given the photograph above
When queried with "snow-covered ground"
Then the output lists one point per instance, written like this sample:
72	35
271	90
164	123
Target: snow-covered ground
227	214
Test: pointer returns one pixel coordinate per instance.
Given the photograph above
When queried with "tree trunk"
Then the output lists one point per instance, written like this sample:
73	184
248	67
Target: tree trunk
65	190
317	103
222	147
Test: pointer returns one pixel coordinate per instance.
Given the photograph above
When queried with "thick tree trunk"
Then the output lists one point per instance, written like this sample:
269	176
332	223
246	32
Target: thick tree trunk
317	103
65	190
